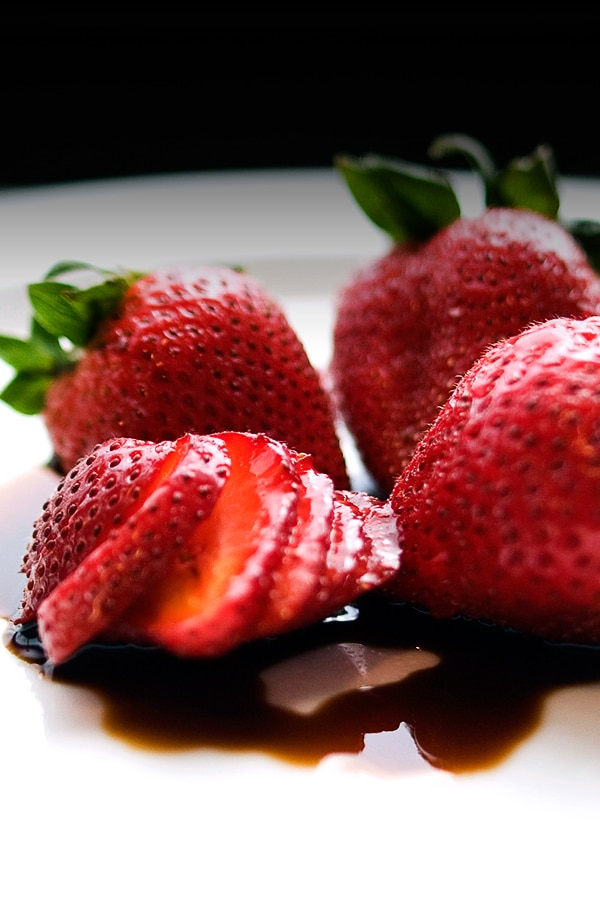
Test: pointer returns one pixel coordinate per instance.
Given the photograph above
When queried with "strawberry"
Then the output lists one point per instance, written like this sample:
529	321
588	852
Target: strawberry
411	322
345	546
199	545
217	585
111	528
98	494
192	348
269	559
364	549
500	504
298	583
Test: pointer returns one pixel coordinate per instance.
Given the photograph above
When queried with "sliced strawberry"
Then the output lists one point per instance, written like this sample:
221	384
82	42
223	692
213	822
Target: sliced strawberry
98	493
365	547
299	576
217	587
137	551
226	538
360	551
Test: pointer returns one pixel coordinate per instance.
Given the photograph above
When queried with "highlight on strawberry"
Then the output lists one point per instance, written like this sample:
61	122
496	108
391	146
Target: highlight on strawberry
197	546
500	504
186	348
409	324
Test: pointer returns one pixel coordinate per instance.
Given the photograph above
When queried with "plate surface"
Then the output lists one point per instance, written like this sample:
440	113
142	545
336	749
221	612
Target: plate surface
103	795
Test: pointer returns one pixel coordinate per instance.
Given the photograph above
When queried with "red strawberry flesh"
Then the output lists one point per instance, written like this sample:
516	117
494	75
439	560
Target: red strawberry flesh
365	549
300	576
217	588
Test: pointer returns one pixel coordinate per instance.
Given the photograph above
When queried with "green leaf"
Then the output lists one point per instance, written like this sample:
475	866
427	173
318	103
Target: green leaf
101	300
529	182
39	353
55	308
36	361
26	393
61	313
75	313
24	356
16	352
46	344
409	203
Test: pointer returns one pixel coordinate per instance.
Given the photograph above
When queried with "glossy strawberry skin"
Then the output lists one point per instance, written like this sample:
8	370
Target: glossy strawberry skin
199	545
194	349
411	323
500	504
125	540
98	493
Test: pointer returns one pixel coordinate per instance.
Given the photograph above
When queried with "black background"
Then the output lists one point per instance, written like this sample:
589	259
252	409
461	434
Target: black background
122	90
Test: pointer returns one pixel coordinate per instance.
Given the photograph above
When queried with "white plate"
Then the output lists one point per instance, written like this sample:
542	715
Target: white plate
89	812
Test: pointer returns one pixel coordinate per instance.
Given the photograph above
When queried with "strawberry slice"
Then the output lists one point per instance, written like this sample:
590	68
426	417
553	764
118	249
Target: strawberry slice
300	574
100	491
181	490
365	548
218	586
346	543
222	540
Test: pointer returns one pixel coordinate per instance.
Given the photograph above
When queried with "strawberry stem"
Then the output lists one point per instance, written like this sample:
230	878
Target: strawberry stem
474	151
527	182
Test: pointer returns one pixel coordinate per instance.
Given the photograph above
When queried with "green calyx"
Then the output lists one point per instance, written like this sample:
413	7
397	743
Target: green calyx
412	203
527	182
65	318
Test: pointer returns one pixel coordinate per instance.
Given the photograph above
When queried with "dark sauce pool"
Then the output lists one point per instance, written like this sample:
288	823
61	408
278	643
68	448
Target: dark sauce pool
478	694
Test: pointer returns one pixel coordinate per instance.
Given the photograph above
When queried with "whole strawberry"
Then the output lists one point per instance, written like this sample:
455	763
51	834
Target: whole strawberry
500	504
409	324
192	348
